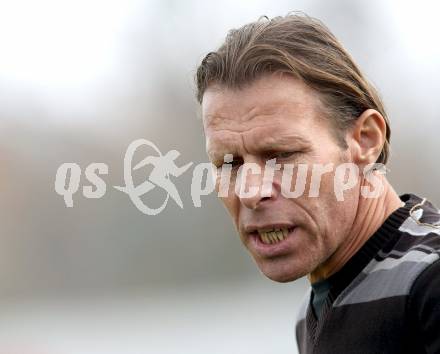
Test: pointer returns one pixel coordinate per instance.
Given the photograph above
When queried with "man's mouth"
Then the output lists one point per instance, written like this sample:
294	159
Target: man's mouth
271	240
269	234
273	235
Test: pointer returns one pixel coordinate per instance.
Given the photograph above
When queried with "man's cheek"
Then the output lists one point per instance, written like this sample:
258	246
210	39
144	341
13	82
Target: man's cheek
225	184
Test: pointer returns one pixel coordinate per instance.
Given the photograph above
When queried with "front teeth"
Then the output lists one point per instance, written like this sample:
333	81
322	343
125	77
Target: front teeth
273	236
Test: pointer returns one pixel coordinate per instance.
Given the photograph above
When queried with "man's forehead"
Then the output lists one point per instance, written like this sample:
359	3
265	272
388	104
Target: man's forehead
263	138
253	117
273	97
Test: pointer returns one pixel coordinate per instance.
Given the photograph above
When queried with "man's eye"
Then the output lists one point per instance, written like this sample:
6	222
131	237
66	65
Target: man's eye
235	162
284	154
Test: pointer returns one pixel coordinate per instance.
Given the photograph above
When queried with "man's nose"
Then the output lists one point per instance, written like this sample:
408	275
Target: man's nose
254	190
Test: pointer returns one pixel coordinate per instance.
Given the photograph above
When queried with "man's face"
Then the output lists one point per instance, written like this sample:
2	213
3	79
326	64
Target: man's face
279	117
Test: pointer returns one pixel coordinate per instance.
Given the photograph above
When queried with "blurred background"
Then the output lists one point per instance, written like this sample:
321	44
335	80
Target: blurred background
79	81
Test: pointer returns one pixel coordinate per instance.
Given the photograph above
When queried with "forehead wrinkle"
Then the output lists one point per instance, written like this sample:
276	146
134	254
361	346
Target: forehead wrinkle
230	124
266	115
273	140
256	111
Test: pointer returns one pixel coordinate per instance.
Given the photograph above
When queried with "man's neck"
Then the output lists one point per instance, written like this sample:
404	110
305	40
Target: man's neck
371	214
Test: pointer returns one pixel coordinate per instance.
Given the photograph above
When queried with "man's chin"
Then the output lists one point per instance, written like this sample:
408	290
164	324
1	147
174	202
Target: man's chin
282	276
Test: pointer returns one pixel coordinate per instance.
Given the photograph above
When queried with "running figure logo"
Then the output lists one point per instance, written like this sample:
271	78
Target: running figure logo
163	166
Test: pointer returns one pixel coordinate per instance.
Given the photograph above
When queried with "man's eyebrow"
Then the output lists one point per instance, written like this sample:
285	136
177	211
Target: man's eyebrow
216	152
284	140
217	155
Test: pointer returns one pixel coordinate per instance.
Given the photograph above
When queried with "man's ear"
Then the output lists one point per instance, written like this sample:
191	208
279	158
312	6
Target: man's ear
367	137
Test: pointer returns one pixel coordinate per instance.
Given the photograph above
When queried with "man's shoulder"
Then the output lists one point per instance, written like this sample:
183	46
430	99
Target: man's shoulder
418	241
394	269
419	233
